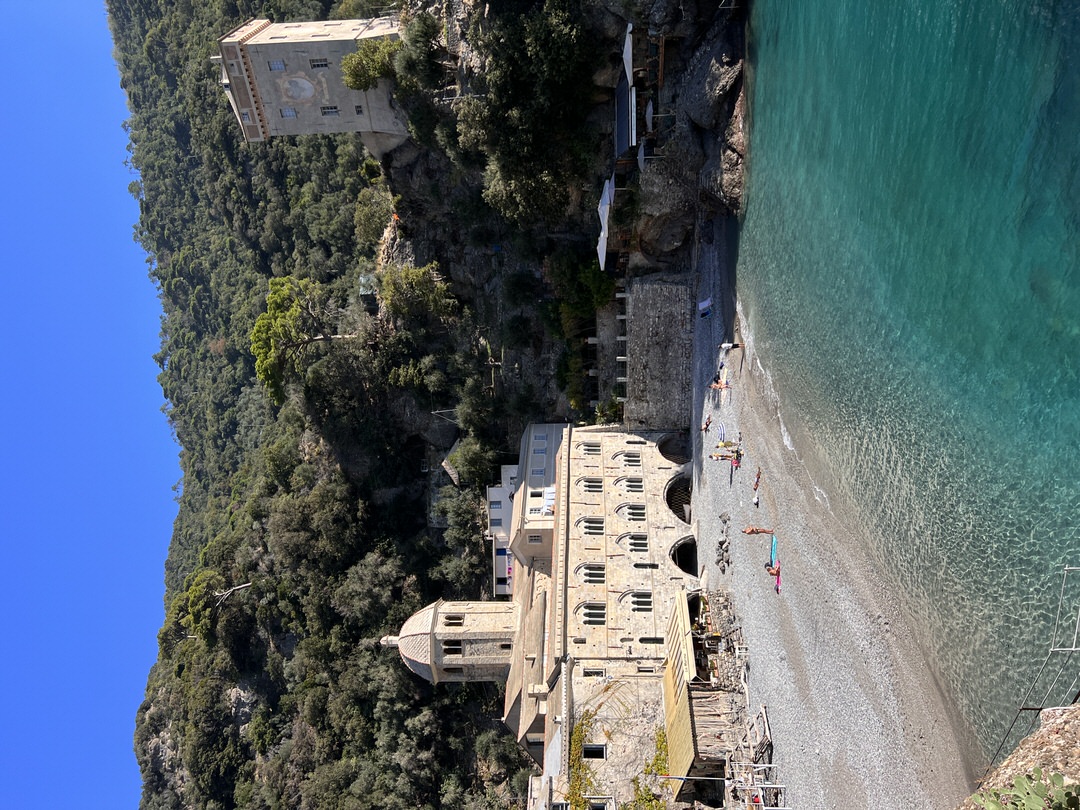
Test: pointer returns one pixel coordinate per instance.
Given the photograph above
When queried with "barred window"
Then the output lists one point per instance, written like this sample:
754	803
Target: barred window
634	512
638	542
318	64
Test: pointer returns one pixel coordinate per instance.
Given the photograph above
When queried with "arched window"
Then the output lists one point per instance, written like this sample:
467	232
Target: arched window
591	526
592	484
593	614
633	511
640	601
592	573
635	542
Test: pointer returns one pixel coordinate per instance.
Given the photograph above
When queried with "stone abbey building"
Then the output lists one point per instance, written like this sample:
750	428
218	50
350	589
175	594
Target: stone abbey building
606	644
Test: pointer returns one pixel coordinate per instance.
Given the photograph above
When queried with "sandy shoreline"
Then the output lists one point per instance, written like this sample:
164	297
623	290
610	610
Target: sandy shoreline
856	716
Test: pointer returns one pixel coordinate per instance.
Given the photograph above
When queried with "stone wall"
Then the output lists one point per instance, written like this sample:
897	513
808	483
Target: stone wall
659	336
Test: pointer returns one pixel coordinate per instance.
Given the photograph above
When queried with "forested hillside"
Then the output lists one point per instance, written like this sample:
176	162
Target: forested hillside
302	534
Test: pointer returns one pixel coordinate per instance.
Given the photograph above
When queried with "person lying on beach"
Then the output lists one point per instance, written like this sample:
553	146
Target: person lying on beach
708	421
756	530
720	386
774	570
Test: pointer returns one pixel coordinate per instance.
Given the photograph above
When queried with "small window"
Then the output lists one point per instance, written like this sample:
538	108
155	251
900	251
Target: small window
495	523
634	485
494	504
501	581
651	640
592	484
453	670
276	64
645	670
318	64
278	36
453	620
535	539
631	459
594	614
650	565
451	646
592	751
579	639
505	645
536	493
592	526
590	448
288	112
359	109
592	673
329	111
638	542
641	602
537	471
245	116
593	573
539	451
634	512
599	804
534	510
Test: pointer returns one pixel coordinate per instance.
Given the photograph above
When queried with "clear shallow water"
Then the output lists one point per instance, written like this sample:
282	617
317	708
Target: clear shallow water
909	270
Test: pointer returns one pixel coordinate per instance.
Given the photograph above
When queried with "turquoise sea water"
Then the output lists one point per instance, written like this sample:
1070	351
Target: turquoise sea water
909	268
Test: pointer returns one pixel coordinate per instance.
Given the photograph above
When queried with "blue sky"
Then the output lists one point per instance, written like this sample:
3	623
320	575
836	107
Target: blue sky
89	462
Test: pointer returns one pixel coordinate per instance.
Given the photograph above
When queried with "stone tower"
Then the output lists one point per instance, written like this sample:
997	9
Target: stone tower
458	641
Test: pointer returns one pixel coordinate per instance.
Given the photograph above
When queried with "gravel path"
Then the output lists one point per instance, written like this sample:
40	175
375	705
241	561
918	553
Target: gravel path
856	716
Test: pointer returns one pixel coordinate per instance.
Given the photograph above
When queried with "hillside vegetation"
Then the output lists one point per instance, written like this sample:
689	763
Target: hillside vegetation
304	414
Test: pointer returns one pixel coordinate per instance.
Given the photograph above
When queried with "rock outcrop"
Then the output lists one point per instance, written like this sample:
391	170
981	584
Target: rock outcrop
1054	747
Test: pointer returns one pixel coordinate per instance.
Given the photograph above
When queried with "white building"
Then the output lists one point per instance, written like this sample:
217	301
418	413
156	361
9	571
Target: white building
607	635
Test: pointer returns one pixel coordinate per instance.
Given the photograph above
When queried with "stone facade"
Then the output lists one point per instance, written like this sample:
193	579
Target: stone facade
286	79
604	598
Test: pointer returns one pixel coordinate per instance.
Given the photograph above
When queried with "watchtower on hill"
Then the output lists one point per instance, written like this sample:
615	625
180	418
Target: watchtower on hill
286	79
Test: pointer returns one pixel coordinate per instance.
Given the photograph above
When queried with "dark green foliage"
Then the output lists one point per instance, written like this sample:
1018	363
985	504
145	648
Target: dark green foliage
300	536
416	63
373	60
528	115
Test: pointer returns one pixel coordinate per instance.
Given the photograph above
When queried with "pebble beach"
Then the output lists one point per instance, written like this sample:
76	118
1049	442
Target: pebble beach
856	714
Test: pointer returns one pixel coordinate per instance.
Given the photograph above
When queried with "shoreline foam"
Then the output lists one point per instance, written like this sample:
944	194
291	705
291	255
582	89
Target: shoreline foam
858	719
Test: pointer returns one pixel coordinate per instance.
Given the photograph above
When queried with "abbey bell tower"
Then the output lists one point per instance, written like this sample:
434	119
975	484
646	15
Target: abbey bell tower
458	641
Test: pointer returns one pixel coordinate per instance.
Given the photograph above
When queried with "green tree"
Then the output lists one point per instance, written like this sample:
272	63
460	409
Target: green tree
298	312
373	60
415	295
